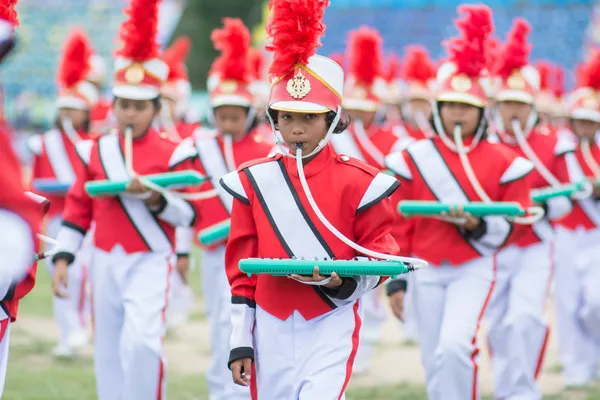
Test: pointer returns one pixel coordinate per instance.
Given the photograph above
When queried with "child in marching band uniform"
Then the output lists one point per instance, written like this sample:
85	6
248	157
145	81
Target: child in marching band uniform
135	231
577	300
234	142
297	337
57	155
452	296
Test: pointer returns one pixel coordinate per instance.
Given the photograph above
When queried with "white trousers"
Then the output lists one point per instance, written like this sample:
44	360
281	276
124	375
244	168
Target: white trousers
450	302
73	313
410	312
577	304
518	332
298	359
130	300
4	346
217	297
370	334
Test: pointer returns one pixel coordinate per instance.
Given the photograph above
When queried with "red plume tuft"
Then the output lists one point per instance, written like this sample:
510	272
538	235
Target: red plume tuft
469	50
175	57
417	65
515	51
296	27
256	59
365	54
392	70
559	81
8	12
340	59
590	74
75	62
138	32
492	52
546	71
233	41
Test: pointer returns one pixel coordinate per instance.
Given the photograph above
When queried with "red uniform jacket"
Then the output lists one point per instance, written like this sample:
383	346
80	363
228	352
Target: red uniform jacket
186	129
101	117
553	153
430	171
55	157
123	220
212	160
269	199
586	212
368	145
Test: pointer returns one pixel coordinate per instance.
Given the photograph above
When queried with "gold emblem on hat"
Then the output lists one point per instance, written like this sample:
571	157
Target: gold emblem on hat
135	74
516	82
298	86
461	83
228	86
590	102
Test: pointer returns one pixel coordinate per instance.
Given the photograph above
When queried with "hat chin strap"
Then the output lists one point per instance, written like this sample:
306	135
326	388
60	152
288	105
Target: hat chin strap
439	127
320	146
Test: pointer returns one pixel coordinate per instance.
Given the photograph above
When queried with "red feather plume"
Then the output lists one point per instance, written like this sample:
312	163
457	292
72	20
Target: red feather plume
75	60
590	76
8	12
559	81
296	27
417	65
468	51
392	70
546	71
175	57
233	41
365	54
580	71
340	59
138	32
256	59
492	52
515	52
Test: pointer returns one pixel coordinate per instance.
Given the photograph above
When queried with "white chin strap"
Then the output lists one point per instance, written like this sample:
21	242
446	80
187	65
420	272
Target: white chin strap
536	213
439	127
71	133
423	124
415	262
166	121
322	143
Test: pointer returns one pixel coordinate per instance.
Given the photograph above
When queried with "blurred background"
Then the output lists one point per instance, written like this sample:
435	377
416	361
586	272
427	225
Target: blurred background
563	31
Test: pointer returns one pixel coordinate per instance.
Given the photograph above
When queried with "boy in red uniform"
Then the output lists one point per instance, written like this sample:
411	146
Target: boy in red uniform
134	231
302	332
58	154
452	295
577	300
234	142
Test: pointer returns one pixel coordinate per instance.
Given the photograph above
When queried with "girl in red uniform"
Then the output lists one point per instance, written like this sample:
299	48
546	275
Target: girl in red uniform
296	337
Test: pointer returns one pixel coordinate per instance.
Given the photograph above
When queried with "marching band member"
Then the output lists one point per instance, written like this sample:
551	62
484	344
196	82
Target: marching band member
296	337
577	303
393	91
57	155
518	331
101	116
457	167
176	92
134	231
234	142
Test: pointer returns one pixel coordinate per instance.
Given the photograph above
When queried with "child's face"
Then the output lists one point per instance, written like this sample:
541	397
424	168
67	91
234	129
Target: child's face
307	129
584	128
511	110
465	115
231	120
78	118
137	113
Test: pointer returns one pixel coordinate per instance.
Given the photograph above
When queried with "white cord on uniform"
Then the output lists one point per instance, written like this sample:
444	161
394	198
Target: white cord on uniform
423	124
537	213
589	158
228	150
71	133
415	262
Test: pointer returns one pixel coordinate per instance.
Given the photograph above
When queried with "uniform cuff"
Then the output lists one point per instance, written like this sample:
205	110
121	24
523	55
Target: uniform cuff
63	255
396	285
239	353
344	291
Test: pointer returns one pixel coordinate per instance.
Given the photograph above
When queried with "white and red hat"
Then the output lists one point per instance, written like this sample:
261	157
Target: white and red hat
459	79
491	83
302	80
139	71
232	66
98	71
418	73
520	81
74	91
259	86
365	85
391	76
559	91
584	102
545	99
177	87
8	22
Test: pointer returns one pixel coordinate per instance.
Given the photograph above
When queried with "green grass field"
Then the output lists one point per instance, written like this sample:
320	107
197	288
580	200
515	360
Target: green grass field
34	375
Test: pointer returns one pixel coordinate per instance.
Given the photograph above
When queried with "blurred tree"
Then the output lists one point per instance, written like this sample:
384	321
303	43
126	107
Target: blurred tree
200	18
